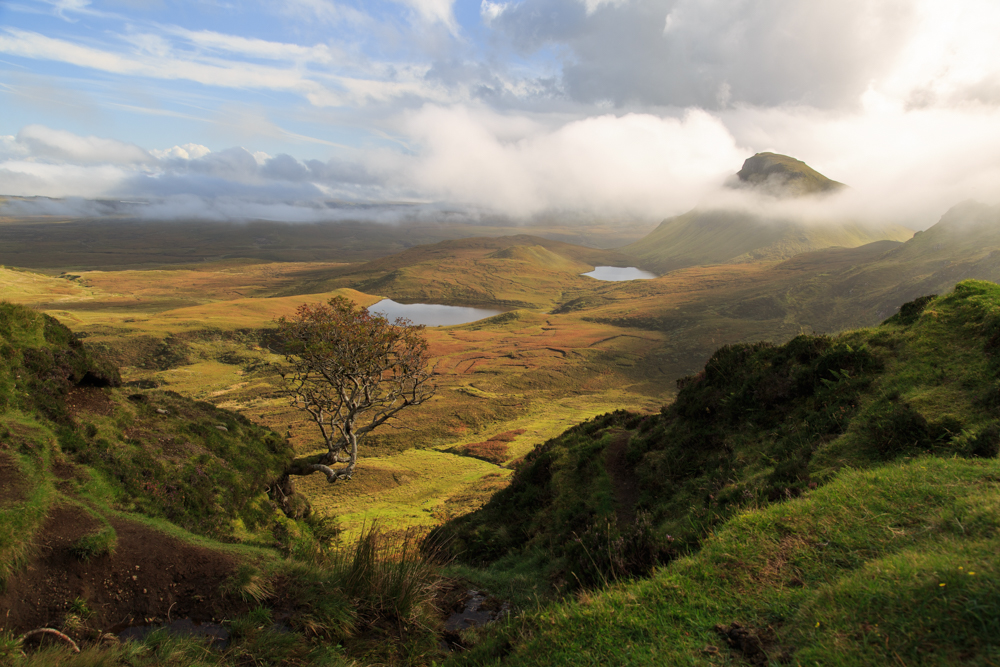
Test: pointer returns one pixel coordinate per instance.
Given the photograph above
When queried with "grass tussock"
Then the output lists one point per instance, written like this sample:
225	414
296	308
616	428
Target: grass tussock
386	575
249	584
96	544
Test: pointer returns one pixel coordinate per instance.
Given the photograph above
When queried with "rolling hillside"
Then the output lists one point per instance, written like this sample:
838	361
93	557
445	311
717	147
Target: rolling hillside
724	236
519	271
132	510
831	499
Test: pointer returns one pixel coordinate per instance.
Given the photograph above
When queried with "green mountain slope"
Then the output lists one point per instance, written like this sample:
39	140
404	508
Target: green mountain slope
834	481
701	237
784	176
719	236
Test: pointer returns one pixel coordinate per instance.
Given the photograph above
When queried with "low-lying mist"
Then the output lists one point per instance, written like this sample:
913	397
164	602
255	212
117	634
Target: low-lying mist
470	164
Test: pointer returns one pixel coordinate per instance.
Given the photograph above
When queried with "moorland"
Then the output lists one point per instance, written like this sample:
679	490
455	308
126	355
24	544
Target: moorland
696	468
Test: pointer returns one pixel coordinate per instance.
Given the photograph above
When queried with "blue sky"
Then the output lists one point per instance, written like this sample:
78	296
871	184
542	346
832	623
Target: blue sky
590	109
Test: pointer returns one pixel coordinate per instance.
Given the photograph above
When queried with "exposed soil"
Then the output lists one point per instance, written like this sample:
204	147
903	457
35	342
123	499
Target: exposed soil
493	450
66	470
626	487
88	399
759	646
149	576
11	484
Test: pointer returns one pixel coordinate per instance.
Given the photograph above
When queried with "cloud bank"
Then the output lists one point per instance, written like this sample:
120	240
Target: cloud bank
585	109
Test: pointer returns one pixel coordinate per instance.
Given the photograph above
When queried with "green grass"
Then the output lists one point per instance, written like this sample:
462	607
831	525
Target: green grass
701	237
894	561
94	545
850	422
200	467
29	446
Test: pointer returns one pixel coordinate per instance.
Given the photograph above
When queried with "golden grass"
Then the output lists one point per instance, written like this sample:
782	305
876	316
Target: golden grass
405	490
535	373
27	288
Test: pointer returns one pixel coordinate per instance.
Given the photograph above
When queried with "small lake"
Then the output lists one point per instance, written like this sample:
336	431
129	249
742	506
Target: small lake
617	273
431	314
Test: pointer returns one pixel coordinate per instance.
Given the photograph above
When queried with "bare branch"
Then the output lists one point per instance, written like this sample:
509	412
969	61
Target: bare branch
53	633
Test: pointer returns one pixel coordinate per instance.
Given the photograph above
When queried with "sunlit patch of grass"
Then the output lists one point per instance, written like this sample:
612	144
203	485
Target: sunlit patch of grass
871	567
400	491
28	287
248	583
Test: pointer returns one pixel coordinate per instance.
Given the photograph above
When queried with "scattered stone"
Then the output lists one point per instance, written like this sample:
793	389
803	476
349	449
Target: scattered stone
221	427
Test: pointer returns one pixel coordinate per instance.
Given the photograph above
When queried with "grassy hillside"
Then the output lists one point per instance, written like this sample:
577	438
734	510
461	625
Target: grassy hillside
704	236
822	499
124	508
523	371
518	271
725	236
784	176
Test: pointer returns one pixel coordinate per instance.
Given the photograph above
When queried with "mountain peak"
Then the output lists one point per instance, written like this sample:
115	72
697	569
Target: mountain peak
783	176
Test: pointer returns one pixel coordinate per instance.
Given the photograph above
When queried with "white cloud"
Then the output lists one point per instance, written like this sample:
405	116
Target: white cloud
434	11
634	165
824	52
227	74
327	11
30	179
954	55
256	48
10	148
185	152
322	83
593	5
60	145
491	10
903	165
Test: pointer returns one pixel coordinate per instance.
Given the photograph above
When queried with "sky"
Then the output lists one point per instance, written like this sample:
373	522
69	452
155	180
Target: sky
585	110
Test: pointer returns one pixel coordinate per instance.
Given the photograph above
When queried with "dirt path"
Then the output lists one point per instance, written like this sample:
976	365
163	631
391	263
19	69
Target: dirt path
11	484
148	575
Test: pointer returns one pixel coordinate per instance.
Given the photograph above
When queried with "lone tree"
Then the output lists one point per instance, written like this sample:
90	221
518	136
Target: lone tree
352	371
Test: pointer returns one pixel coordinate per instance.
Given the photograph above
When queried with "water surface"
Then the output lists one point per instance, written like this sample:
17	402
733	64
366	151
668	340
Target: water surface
618	273
431	314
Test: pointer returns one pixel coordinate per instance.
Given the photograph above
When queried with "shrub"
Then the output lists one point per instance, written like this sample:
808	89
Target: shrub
608	552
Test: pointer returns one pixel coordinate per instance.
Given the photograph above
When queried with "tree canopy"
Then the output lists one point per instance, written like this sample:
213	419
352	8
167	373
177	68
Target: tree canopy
352	371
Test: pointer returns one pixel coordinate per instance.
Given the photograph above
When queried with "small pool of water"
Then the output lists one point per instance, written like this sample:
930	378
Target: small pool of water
618	273
431	314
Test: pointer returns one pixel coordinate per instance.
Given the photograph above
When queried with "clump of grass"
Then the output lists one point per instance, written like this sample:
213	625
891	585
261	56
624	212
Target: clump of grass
249	583
10	648
381	578
387	575
93	545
